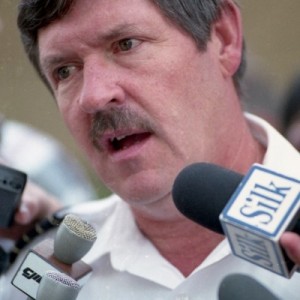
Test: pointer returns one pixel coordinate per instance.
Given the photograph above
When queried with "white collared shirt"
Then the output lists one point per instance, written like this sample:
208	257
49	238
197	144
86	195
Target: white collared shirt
127	266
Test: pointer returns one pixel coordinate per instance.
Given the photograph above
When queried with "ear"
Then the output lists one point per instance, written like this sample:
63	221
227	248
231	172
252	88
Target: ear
228	33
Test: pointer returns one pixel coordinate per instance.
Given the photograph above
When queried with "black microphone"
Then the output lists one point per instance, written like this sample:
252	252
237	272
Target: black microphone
73	240
12	185
201	191
243	287
252	210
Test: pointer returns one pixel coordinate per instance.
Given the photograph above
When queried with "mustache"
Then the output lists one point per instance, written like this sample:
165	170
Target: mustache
115	119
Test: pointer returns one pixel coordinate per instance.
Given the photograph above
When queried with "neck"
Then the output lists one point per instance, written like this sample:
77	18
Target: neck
246	152
182	242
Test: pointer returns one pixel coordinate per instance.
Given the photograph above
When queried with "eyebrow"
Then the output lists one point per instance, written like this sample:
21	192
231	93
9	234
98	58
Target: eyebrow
50	61
119	31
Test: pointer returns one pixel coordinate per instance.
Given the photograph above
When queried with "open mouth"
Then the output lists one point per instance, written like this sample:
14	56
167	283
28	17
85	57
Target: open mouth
124	142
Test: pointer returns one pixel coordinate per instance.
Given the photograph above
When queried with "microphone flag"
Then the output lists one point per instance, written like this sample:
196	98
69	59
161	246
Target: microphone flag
265	204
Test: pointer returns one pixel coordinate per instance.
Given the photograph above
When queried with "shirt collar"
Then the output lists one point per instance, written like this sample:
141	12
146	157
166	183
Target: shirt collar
129	250
280	154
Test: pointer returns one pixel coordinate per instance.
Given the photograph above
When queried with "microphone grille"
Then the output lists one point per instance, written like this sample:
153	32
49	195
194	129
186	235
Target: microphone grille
63	279
80	227
57	285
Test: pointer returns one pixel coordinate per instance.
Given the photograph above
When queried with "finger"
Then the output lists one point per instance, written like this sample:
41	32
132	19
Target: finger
36	203
24	215
290	241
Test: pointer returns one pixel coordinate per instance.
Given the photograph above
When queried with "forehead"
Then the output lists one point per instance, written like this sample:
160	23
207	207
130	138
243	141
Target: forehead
106	12
109	7
93	18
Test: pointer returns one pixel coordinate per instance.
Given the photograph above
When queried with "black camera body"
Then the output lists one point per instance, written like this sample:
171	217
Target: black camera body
12	184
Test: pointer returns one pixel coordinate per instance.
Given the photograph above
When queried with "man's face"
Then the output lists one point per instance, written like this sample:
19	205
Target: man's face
136	94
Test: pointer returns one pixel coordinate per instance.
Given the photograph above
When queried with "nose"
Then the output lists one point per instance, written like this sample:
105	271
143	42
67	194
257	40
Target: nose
101	86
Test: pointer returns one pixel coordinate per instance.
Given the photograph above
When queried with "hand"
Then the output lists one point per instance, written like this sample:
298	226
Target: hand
35	204
290	241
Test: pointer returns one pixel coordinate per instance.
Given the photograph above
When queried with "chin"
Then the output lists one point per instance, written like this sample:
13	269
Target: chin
142	194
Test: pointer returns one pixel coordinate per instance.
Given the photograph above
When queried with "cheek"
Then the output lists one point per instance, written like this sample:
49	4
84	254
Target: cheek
77	123
67	114
167	85
183	78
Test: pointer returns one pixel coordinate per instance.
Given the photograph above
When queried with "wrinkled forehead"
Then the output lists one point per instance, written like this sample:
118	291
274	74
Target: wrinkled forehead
103	6
105	10
93	23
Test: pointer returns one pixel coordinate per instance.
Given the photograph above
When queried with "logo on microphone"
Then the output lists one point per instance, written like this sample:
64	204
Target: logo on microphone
266	204
30	274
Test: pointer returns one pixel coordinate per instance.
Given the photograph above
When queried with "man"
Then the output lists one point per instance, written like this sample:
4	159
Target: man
146	88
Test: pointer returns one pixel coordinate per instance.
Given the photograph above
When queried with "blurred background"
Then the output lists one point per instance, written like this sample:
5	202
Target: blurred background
272	32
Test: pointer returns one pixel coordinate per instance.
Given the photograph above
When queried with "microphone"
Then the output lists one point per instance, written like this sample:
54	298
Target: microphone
201	191
252	210
243	287
12	185
57	286
73	240
73	233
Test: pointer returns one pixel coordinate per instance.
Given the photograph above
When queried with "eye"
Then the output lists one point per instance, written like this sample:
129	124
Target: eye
64	72
126	45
